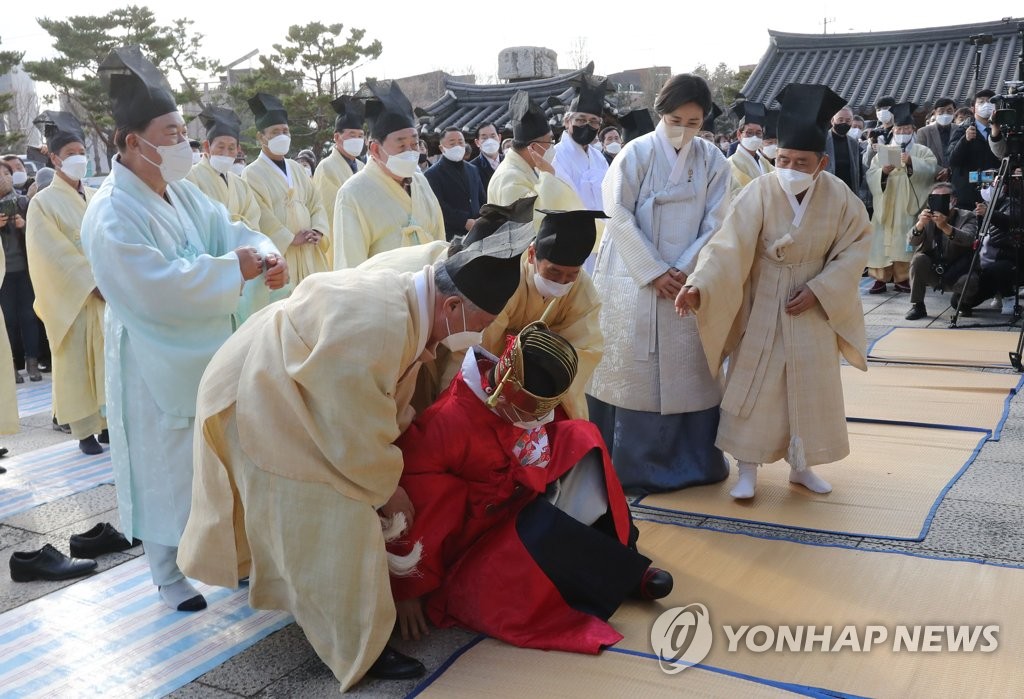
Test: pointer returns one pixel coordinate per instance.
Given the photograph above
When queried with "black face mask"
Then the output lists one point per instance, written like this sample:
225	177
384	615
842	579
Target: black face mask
841	129
584	135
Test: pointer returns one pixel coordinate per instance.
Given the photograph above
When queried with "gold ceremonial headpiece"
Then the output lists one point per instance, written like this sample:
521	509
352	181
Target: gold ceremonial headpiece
535	371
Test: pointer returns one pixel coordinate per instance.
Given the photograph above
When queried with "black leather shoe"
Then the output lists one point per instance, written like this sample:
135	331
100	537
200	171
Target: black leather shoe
101	539
47	564
57	427
392	665
655	584
90	446
104	437
916	312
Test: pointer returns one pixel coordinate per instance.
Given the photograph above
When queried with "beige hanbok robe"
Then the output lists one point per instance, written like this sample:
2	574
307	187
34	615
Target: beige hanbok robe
783	395
295	424
8	393
515	178
332	172
373	214
745	169
73	315
412	258
289	204
897	206
240	200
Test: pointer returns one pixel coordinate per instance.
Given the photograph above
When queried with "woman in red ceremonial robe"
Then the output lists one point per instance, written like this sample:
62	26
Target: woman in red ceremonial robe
526	532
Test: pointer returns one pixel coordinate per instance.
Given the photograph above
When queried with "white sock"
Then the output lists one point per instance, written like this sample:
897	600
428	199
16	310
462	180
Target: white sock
182	597
810	480
744	489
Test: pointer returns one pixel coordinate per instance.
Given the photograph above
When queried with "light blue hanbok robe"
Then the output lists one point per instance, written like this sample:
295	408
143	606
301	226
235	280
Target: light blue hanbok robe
170	276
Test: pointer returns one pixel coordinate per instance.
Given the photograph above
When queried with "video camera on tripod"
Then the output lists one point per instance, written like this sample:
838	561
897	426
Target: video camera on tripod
1009	114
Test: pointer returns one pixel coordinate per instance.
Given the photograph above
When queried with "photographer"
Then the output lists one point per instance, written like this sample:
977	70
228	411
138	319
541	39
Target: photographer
942	239
969	149
999	255
16	295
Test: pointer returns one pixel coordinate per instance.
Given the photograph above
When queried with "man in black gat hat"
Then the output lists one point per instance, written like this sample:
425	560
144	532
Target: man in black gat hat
575	161
388	204
784	321
318	387
746	162
291	213
170	264
349	144
67	300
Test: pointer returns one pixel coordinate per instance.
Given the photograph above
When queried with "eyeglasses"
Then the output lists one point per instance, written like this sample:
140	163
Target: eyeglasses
580	121
544	143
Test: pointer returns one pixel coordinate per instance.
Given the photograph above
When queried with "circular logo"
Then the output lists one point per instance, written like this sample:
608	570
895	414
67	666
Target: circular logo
681	637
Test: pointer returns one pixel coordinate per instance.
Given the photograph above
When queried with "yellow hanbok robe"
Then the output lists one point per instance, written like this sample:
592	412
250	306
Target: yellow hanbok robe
783	395
332	172
295	424
72	314
897	206
8	393
240	200
745	169
373	214
289	204
515	178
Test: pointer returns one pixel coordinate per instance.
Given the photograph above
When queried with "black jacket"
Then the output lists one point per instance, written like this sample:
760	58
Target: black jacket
965	157
483	166
460	192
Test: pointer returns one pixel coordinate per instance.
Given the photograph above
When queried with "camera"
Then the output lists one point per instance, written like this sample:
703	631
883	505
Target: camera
8	208
981	176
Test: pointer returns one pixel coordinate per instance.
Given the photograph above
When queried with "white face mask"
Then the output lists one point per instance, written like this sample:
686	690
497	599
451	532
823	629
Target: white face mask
986	193
75	166
455	153
752	143
196	157
903	138
238	169
222	163
20	178
403	165
613	148
549	155
944	119
280	144
490	146
549	289
855	133
353	146
175	161
793	181
884	115
771	151
461	341
985	110
679	136
308	169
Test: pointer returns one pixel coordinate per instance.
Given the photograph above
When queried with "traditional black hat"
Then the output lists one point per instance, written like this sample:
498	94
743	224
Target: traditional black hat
59	129
590	98
903	114
220	121
567	237
806	115
709	122
887	101
351	113
749	112
388	110
528	120
268	110
771	123
486	270
636	123
139	92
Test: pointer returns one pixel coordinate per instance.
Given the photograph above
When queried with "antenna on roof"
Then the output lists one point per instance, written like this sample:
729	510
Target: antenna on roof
825	22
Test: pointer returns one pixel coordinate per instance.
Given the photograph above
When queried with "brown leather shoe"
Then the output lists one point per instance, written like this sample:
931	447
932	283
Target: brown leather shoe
878	288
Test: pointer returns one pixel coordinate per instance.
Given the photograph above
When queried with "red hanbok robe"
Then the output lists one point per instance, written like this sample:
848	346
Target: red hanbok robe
479	569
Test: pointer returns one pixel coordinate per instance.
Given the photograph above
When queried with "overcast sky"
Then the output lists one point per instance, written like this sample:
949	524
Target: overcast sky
418	37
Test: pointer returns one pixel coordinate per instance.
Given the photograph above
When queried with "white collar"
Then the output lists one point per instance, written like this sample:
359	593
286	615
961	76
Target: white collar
422	296
800	207
287	175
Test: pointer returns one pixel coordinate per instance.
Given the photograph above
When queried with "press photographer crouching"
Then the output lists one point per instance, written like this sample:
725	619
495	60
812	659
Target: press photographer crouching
942	239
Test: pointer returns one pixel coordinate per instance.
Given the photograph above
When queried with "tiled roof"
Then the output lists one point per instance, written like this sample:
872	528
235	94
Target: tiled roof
919	65
467	105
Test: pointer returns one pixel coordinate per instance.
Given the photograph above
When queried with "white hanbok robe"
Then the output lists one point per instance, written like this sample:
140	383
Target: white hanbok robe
584	169
8	393
332	172
745	169
171	279
515	178
896	207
